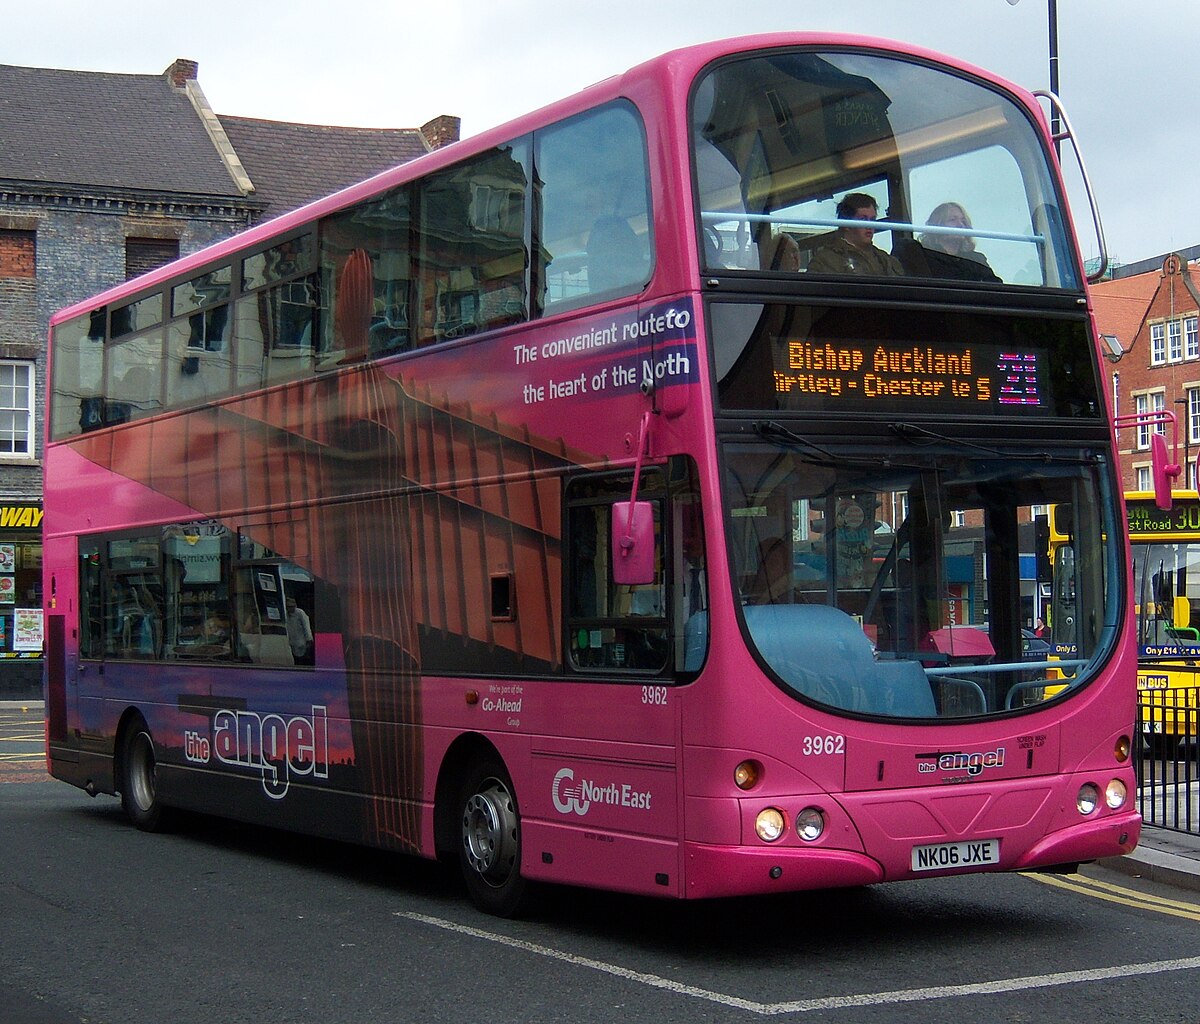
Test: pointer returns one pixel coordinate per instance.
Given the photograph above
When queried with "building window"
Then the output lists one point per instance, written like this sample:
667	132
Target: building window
1143	406
1158	344
145	254
16	408
1144	482
1193	416
1173	341
18	253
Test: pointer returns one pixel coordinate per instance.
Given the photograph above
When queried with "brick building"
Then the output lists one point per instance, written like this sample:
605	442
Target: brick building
102	177
1150	318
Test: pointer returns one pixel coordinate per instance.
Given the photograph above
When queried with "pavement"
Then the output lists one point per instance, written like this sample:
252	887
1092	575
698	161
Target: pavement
1162	855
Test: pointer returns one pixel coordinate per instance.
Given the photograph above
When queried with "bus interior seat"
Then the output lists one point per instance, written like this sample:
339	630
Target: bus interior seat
781	252
616	256
959	697
809	244
1016	696
821	652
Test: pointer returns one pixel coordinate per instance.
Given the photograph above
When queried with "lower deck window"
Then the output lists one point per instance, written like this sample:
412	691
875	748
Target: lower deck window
194	591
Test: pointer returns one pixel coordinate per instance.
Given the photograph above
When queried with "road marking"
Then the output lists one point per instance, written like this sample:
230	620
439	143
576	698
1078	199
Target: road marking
912	995
1118	894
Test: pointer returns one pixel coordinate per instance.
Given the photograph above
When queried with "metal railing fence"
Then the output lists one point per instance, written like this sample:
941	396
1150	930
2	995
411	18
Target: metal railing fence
1168	758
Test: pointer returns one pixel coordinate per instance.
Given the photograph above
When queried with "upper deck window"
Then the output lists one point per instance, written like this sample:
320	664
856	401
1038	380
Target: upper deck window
794	150
595	223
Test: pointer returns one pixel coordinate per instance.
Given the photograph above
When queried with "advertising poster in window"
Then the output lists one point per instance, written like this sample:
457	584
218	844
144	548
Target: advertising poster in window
8	589
28	633
8	558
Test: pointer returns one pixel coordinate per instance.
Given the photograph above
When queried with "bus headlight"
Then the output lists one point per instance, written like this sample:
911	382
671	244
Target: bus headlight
810	824
1088	799
769	824
1115	794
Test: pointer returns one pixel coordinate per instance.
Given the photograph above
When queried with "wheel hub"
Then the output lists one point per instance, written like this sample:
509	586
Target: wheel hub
489	831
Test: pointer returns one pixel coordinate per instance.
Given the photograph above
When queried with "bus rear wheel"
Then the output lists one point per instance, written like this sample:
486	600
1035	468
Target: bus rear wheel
139	778
489	848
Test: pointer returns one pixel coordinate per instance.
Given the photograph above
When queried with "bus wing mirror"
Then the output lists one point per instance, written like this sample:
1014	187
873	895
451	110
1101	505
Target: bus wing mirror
1164	471
633	527
633	543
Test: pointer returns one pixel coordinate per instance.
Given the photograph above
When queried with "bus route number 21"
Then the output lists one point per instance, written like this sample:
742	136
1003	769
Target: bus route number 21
817	745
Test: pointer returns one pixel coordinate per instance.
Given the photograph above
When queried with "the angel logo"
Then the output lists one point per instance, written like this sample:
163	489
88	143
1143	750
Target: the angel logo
568	798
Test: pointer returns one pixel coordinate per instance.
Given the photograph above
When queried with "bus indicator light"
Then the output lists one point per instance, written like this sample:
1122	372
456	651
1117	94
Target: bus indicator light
746	774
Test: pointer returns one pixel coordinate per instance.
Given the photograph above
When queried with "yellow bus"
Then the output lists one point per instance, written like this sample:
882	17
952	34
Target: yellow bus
1166	593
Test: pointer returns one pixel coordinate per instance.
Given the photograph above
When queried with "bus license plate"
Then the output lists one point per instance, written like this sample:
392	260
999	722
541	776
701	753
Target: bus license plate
939	856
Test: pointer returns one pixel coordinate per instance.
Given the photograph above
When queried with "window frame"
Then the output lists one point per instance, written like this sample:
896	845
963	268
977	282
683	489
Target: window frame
28	412
612	486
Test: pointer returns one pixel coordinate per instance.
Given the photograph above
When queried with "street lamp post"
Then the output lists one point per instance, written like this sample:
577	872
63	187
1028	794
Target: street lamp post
1052	13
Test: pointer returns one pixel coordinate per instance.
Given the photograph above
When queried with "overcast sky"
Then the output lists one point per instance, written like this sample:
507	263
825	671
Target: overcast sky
1125	67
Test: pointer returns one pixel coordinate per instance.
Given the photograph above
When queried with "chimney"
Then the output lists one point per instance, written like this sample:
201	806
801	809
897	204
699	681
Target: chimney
441	131
181	72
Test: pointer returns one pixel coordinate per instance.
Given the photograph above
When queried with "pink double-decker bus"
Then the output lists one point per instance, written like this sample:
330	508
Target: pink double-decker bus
642	495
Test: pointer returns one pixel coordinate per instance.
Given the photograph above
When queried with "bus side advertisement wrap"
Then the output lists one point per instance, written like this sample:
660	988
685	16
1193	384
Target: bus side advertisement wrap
537	374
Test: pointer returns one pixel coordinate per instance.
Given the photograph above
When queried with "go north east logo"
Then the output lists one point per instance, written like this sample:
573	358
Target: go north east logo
570	798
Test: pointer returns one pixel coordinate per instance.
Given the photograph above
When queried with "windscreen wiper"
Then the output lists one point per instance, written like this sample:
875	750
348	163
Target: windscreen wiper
770	430
921	436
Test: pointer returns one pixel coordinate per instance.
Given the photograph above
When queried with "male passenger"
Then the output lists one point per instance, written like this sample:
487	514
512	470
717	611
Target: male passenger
852	250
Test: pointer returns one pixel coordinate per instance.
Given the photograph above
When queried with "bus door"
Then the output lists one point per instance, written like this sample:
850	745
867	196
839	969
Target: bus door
62	677
65	675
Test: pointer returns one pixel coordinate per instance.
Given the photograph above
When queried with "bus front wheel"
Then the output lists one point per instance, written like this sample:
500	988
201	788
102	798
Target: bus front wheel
489	848
139	768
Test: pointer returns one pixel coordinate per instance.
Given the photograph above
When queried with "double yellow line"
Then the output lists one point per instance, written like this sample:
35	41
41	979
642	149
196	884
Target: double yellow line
1119	894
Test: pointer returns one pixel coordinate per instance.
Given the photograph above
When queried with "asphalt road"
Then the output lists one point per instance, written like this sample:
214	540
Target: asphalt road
215	921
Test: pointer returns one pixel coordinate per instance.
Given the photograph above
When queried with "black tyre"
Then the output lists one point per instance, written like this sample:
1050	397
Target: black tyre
138	783
489	847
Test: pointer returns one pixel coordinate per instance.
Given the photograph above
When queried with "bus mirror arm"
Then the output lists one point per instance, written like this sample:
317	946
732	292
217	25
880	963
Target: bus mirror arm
633	527
1164	467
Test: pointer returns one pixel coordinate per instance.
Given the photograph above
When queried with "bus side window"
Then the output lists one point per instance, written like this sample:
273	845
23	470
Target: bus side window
276	322
595	239
472	253
135	615
380	231
91	601
612	626
260	626
691	580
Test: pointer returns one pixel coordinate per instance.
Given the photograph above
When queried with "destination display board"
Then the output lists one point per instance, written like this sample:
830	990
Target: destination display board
1146	519
902	362
939	375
